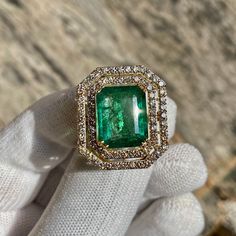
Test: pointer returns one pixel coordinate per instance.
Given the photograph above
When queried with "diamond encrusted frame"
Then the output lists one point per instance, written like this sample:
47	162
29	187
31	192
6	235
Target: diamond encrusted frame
101	155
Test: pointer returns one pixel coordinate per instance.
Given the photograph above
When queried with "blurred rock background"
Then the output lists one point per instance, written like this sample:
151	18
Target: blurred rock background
49	45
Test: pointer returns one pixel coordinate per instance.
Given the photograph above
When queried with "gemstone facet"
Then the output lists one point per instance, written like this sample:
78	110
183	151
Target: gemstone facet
121	116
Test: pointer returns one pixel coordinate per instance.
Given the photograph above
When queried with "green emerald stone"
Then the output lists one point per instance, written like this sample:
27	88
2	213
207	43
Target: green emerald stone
121	116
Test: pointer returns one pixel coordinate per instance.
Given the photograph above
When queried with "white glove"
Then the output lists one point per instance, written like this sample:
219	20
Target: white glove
35	150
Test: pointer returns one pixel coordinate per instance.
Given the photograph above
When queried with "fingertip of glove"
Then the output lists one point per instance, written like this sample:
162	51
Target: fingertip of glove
177	215
181	169
198	162
171	116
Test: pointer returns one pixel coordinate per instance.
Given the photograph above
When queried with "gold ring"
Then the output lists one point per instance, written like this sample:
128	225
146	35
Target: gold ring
122	117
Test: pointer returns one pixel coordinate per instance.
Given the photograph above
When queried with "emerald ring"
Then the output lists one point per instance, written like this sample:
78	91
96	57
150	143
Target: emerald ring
122	117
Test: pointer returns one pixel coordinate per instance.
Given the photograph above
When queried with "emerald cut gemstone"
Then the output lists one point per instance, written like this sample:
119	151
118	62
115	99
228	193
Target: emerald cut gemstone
121	116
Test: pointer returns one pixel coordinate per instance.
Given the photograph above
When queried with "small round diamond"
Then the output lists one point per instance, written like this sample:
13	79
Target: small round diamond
161	83
153	94
149	87
136	69
128	69
155	78
163	115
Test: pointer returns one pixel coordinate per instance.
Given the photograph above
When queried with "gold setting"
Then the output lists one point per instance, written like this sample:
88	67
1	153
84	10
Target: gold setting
99	154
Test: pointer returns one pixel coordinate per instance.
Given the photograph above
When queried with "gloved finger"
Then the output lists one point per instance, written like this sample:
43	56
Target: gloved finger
171	117
18	187
41	137
28	154
179	215
55	117
89	201
181	169
19	222
51	183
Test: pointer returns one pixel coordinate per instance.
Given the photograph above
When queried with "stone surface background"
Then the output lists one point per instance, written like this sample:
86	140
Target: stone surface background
49	45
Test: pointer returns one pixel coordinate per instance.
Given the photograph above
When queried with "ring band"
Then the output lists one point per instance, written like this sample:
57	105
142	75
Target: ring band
122	117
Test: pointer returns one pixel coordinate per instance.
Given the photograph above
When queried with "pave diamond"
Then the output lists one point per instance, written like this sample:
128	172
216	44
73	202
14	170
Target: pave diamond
121	116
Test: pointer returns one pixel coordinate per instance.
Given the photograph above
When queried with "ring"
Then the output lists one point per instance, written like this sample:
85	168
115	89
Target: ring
122	117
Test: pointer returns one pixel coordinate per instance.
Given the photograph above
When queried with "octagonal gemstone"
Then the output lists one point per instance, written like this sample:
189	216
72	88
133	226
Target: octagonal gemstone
121	116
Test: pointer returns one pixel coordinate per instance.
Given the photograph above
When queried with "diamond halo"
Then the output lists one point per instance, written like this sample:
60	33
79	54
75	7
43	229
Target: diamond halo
99	154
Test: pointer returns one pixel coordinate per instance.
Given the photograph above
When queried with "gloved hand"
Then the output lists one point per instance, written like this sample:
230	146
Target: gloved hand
41	175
